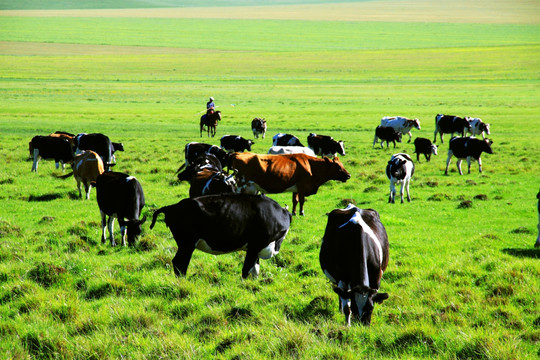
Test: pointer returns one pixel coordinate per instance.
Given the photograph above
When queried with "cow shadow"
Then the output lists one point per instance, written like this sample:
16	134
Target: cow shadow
523	253
72	195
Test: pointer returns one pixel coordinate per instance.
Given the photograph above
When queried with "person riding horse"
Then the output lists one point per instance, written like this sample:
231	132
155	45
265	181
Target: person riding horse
210	106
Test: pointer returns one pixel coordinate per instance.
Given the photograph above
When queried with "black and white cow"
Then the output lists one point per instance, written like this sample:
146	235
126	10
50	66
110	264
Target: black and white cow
281	150
467	148
116	146
324	145
193	150
424	146
120	196
401	124
51	147
259	127
219	224
450	124
387	134
234	143
400	169
282	139
353	256
206	177
537	244
478	127
99	143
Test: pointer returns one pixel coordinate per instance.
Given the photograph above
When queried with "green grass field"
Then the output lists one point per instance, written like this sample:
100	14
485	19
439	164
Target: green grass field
464	283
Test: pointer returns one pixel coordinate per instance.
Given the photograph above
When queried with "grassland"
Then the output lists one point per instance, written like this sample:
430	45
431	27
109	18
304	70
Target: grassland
463	282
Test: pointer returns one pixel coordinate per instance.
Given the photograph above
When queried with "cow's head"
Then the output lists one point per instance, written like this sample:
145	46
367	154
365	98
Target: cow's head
486	146
248	144
340	173
434	149
134	229
398	136
359	302
416	123
485	127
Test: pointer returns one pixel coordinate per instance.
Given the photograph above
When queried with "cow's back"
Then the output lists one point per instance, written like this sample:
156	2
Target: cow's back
88	165
119	193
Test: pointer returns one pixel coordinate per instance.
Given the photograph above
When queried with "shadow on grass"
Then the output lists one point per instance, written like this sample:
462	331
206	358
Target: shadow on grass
45	197
522	253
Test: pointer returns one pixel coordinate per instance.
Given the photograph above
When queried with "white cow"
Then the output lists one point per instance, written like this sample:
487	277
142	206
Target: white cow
401	124
478	127
400	169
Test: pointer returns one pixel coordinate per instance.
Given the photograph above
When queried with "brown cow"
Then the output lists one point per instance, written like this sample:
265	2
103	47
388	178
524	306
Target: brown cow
299	173
87	166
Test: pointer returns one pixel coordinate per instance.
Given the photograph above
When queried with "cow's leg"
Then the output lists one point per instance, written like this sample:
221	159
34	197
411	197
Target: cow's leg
459	166
537	244
392	191
442	142
410	136
87	188
295	202
479	165
36	160
407	188
401	190
110	225
103	226
469	165
428	157
301	199
435	135
374	141
251	263
123	234
183	257
79	187
448	161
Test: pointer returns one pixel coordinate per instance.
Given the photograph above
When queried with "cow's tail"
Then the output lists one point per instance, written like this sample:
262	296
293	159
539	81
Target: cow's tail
156	214
63	177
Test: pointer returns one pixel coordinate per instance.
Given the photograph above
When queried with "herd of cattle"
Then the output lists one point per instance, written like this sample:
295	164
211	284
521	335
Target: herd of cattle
243	220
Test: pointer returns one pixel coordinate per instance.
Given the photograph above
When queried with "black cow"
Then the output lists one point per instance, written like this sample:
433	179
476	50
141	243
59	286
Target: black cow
99	143
51	147
450	124
324	145
353	256
120	196
219	224
116	146
258	126
388	134
234	143
537	244
424	146
194	149
467	148
206	177
282	139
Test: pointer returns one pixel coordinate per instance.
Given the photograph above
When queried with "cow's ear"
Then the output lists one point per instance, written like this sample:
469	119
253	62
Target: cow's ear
380	297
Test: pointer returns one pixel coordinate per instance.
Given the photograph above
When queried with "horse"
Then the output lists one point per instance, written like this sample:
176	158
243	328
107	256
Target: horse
210	121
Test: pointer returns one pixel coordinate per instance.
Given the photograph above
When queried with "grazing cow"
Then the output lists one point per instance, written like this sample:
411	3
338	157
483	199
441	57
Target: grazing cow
478	127
297	173
258	126
282	139
87	166
386	134
324	145
467	148
353	256
280	150
99	143
401	124
219	224
211	122
424	146
233	143
537	244
400	169
450	124
207	178
51	147
120	196
193	150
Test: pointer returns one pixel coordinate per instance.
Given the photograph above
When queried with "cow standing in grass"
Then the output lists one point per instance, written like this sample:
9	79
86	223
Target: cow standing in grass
87	166
259	127
400	169
467	148
353	256
51	147
450	124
